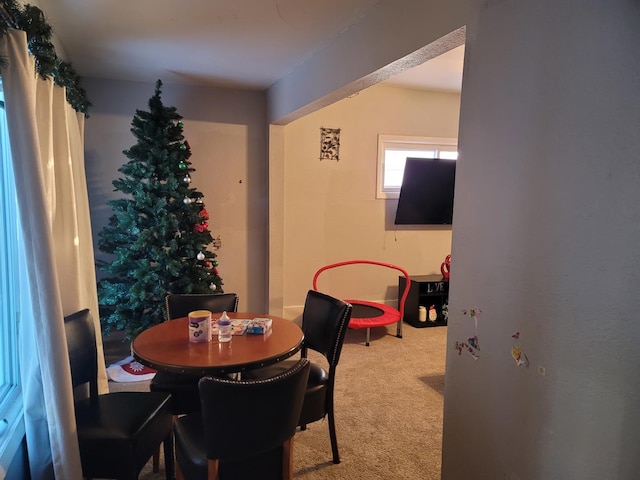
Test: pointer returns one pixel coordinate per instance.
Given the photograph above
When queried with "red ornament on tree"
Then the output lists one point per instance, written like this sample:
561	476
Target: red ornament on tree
198	227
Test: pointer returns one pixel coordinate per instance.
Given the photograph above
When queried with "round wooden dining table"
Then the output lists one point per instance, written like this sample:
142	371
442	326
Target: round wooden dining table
166	347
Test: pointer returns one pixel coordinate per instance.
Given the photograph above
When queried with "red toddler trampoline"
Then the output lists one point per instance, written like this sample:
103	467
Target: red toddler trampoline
367	314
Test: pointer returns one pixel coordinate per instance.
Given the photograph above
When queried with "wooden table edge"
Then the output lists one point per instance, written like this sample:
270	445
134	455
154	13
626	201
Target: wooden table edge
210	370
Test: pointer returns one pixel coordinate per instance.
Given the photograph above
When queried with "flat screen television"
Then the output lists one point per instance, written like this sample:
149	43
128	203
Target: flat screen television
426	195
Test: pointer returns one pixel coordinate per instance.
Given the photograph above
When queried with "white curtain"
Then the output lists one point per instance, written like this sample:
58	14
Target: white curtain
46	137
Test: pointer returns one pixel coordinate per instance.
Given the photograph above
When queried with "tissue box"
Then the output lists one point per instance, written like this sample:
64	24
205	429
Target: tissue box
259	326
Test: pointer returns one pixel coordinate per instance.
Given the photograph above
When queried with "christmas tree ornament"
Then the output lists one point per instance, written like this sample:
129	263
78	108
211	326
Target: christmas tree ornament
187	201
215	263
199	200
180	124
182	165
213	286
187	179
183	146
200	256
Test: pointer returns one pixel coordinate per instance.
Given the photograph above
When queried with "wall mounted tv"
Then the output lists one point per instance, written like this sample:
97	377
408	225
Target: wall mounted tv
426	195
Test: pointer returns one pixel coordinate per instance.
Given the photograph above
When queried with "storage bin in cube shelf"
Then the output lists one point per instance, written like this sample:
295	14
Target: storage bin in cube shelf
259	326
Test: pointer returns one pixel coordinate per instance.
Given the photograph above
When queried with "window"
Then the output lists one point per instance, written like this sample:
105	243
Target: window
12	282
393	151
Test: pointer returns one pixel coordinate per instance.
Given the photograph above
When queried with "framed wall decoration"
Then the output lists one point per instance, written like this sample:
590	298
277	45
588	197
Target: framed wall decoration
329	144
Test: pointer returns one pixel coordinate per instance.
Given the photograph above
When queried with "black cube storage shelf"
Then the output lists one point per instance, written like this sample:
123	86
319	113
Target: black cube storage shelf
425	290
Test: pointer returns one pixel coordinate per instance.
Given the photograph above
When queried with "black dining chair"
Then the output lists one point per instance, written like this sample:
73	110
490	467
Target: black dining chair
182	387
245	428
117	432
324	323
180	304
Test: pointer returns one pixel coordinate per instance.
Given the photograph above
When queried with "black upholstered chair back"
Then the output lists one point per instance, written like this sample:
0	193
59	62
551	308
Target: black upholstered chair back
324	322
81	344
243	418
117	432
180	304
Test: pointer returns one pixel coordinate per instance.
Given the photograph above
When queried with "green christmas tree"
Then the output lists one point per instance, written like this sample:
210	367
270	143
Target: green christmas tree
159	232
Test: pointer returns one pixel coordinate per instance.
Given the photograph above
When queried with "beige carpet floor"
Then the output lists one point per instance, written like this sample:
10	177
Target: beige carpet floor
388	401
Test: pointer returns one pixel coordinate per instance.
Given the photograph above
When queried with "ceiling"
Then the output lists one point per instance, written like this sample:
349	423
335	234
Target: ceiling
235	43
443	73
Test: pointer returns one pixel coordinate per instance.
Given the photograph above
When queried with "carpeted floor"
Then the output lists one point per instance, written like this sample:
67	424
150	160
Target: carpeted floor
389	401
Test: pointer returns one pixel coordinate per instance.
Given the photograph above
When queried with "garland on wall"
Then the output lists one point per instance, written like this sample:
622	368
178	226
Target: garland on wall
31	20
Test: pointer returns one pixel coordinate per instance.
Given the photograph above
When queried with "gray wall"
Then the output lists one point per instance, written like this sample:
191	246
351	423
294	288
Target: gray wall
393	36
546	243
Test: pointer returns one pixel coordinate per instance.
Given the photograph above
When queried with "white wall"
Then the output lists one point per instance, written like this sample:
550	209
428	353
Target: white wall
330	208
395	35
546	243
228	138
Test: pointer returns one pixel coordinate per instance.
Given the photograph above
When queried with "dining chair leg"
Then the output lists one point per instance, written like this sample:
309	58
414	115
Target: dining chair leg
287	459
332	435
212	469
169	459
156	455
179	475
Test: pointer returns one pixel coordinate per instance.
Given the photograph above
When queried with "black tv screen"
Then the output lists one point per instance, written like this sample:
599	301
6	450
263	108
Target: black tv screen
426	195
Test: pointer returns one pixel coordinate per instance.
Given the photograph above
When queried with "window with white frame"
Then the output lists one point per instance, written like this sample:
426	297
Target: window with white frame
12	282
393	151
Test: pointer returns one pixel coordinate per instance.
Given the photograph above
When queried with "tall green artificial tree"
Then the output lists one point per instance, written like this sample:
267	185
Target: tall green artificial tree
159	232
